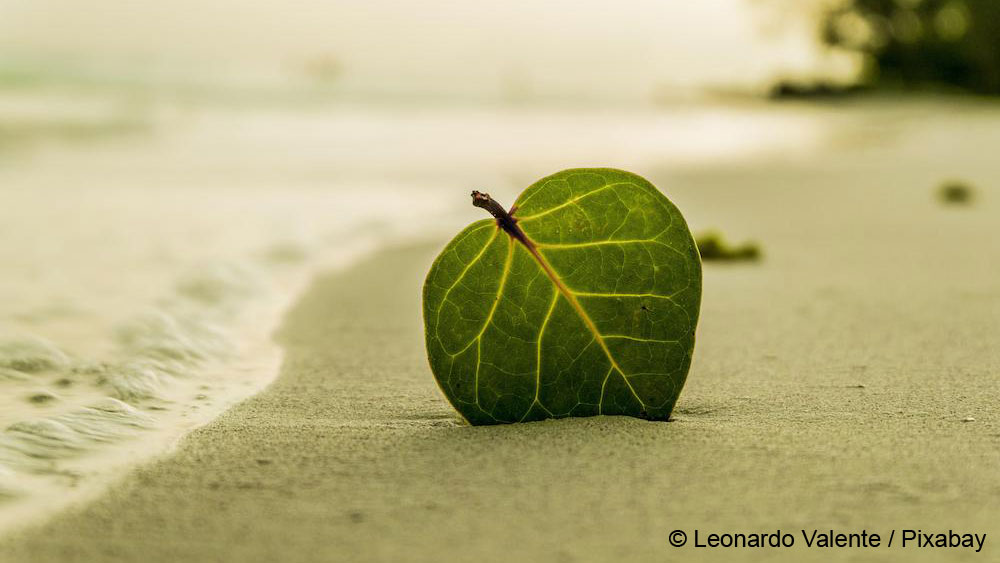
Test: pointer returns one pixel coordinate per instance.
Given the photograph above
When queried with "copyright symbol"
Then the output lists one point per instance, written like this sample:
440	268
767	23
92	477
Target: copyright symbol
678	538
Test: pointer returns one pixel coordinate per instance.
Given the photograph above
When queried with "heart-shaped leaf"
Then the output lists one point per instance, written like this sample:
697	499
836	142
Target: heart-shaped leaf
581	301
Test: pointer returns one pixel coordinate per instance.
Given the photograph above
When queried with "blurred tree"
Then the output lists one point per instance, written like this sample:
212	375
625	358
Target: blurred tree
917	42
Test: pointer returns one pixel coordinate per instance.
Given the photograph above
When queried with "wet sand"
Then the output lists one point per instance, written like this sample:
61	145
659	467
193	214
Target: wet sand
848	381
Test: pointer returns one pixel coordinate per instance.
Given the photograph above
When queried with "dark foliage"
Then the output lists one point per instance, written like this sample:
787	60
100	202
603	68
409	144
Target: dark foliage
914	43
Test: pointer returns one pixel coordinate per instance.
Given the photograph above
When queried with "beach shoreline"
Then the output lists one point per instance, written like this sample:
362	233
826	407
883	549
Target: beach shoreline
352	454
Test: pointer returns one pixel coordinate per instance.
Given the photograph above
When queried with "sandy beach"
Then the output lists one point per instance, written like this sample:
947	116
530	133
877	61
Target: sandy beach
848	381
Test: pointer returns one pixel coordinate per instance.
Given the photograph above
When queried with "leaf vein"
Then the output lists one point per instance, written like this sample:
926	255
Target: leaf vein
461	276
573	201
538	356
489	318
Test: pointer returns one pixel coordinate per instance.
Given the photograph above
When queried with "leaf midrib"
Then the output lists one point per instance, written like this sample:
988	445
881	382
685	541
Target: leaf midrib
582	313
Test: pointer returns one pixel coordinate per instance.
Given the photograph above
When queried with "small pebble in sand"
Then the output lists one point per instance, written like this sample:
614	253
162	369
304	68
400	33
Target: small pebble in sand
955	193
860	386
201	396
968	419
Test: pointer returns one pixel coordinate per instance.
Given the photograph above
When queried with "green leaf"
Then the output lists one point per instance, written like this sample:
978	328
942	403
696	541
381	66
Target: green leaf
584	304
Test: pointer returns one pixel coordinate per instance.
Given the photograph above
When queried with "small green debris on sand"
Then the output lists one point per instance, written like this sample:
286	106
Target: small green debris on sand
713	246
956	193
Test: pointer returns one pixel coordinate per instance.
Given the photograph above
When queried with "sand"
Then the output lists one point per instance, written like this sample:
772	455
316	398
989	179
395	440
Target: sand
847	381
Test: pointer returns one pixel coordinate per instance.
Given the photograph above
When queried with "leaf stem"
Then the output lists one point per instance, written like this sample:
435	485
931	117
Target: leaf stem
505	220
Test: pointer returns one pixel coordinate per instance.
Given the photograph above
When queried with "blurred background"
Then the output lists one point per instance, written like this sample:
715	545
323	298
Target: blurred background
166	166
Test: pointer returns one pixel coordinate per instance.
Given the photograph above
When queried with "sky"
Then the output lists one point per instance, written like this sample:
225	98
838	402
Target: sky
621	49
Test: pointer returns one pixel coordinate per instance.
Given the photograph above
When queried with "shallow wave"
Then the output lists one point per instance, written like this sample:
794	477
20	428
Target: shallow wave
157	353
32	444
70	415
